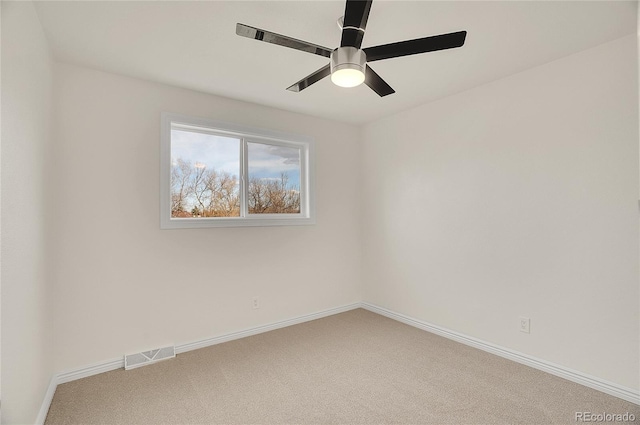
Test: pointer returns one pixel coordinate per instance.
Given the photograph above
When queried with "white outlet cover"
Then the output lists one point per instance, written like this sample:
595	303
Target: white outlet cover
525	324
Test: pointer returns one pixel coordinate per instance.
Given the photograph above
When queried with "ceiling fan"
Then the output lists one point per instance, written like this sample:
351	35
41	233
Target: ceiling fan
349	63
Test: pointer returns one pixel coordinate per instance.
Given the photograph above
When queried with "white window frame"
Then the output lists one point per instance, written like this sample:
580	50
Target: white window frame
246	135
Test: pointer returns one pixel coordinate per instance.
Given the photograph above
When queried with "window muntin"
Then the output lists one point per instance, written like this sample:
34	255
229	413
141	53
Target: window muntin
220	175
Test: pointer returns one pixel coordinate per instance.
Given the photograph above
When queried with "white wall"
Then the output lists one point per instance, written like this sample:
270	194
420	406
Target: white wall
517	198
124	285
26	288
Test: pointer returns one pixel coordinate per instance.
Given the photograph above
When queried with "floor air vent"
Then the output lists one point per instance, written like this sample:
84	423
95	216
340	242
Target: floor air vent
132	361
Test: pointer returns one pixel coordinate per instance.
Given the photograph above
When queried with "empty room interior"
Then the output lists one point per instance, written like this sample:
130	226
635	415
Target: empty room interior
319	212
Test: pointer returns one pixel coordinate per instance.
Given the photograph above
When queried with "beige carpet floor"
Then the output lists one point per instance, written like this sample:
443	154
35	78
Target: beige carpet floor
352	368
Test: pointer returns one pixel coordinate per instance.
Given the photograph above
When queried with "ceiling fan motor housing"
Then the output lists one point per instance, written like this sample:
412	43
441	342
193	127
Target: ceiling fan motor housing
348	58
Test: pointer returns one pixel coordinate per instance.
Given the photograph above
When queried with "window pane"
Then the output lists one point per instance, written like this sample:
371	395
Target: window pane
274	179
204	175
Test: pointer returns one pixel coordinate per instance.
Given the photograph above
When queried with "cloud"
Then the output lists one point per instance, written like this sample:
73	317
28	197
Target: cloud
291	156
215	152
222	153
281	154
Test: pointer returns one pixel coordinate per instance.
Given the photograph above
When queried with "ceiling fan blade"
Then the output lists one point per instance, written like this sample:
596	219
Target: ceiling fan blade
376	83
281	40
356	14
325	71
413	47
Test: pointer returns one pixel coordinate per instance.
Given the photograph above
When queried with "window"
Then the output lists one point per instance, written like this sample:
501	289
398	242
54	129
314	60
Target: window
223	175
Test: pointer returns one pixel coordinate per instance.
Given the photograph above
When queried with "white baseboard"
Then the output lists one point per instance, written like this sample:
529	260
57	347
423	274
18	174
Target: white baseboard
610	388
118	363
48	398
607	387
87	371
182	348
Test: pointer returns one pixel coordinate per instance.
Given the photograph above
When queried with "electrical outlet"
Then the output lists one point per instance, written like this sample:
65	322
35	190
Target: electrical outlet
256	303
525	324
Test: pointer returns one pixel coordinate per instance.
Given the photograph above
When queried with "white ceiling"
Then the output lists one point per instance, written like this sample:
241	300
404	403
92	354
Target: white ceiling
194	45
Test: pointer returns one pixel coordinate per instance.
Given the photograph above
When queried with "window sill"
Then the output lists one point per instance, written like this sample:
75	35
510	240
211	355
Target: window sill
199	223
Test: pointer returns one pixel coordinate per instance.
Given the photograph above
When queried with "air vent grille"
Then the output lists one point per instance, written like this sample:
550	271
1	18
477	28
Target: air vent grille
143	358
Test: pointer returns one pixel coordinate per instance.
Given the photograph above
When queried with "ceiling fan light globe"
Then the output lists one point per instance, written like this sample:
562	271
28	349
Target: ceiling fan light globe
347	66
347	77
